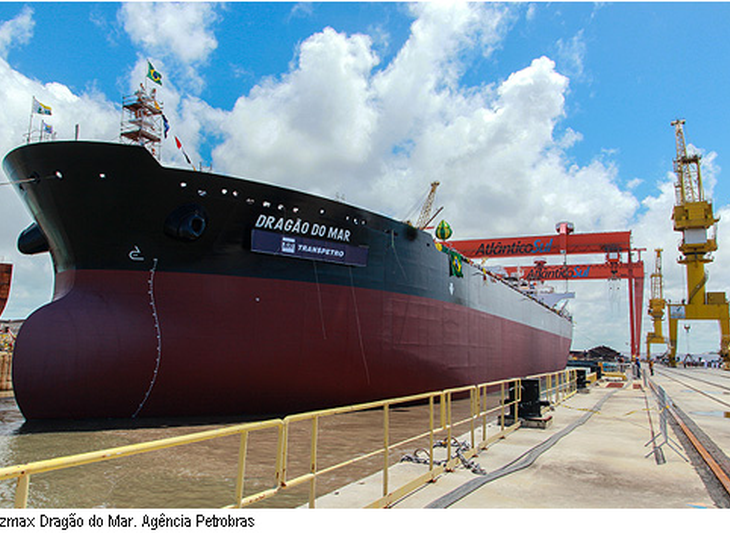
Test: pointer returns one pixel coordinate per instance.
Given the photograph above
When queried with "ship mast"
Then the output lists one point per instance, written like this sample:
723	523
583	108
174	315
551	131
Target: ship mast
142	120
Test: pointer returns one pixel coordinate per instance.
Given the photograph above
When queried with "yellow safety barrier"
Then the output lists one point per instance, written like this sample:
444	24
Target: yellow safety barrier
559	386
555	387
615	376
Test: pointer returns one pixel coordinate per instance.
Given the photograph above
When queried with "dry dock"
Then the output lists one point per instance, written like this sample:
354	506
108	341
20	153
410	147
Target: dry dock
615	446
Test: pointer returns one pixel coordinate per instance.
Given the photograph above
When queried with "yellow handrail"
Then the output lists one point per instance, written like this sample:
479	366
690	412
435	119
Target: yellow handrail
24	471
558	386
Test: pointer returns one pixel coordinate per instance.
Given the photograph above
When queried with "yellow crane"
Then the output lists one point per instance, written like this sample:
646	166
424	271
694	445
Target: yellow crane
657	302
693	217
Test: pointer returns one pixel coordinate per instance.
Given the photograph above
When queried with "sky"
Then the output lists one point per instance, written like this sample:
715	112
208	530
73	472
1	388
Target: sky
528	114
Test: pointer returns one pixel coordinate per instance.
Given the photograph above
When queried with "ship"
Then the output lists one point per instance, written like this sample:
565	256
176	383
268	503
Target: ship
181	292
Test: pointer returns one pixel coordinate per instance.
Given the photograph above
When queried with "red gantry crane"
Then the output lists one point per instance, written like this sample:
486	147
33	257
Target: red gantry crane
613	245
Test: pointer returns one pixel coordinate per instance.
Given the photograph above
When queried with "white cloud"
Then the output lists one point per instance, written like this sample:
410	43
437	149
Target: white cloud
17	31
571	55
301	9
634	183
180	33
321	113
340	120
179	29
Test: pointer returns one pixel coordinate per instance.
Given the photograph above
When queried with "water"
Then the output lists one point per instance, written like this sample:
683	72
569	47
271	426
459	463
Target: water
202	475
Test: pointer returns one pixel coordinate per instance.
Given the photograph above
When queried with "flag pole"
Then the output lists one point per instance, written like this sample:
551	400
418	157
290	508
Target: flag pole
30	124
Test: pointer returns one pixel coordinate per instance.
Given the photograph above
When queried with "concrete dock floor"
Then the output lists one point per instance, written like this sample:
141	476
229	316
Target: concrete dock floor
606	462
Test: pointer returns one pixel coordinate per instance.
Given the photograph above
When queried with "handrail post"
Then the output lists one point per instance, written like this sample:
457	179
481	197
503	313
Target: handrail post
430	432
561	384
570	380
549	388
543	389
501	405
483	410
449	421
386	445
241	468
554	384
313	462
21	491
561	375
281	456
442	409
473	398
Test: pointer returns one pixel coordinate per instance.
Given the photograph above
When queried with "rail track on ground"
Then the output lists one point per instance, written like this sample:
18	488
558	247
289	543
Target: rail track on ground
711	462
696	383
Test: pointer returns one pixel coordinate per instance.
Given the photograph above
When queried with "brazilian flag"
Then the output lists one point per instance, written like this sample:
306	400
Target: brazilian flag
153	75
455	264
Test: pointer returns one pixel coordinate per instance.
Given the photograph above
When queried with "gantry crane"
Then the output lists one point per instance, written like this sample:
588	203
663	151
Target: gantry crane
613	245
657	302
693	217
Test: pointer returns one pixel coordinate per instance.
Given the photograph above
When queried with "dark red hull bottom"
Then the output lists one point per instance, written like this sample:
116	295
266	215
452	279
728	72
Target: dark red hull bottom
146	344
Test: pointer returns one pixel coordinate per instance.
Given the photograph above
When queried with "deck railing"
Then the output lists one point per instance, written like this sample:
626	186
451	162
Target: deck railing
487	403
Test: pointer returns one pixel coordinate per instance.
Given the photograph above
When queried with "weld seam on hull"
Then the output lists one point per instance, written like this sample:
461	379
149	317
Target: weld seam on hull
156	318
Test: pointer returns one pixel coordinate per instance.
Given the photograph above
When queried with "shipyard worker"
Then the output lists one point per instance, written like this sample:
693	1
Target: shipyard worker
638	368
651	367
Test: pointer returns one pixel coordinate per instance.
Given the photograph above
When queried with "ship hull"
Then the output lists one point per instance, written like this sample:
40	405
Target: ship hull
148	322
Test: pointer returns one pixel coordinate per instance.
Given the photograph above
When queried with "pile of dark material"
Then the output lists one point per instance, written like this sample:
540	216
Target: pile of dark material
600	353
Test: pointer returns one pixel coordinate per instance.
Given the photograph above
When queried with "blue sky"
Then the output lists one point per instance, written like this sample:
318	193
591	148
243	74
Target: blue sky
582	94
640	65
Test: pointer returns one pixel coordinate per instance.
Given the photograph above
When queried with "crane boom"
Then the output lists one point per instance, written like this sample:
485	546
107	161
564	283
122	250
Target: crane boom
688	186
425	216
657	280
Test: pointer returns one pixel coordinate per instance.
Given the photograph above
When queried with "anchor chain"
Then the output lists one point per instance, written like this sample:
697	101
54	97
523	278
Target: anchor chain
460	448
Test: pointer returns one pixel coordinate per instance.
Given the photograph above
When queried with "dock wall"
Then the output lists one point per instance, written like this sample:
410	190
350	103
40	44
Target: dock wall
6	381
